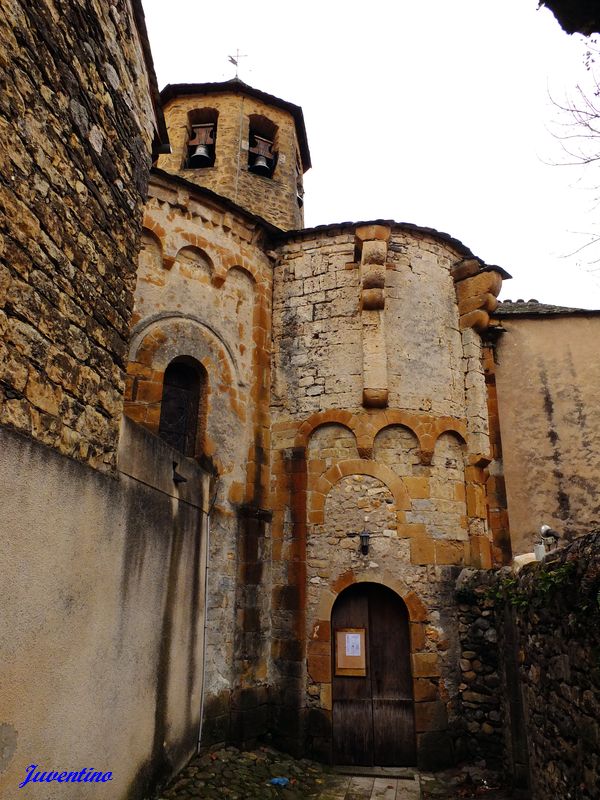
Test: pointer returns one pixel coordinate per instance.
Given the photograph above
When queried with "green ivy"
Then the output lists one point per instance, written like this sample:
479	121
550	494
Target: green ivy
545	583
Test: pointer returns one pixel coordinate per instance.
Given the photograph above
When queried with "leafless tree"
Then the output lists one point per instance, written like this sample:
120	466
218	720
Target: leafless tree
578	132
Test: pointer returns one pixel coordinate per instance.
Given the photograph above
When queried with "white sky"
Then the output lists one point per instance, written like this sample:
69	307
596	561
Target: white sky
453	111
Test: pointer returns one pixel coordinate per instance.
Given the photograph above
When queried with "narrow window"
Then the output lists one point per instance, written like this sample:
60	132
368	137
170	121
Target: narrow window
183	386
202	138
262	153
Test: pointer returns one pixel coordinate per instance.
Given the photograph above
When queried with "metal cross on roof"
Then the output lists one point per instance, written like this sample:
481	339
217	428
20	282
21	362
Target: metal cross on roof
235	60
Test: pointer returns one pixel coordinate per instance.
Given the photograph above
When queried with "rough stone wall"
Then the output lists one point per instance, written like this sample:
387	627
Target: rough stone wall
379	411
316	327
274	199
530	671
102	592
76	125
548	382
204	291
479	725
558	635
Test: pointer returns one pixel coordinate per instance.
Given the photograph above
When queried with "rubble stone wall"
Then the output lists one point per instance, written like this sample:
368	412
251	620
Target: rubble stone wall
530	671
76	125
558	634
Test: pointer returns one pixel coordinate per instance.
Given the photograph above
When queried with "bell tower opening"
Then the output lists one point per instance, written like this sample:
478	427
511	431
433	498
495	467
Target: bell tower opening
229	137
202	137
262	152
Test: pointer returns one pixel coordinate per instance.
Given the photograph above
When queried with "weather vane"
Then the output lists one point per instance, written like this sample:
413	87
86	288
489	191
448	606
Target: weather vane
235	60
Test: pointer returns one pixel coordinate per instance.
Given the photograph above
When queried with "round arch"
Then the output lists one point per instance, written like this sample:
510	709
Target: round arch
356	466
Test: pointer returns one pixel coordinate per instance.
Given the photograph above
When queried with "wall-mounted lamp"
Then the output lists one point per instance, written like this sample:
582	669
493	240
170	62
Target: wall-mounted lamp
365	538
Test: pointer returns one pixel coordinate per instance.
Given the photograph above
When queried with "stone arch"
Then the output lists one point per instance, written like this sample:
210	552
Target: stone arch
452	426
249	272
154	229
183	405
345	418
398	447
149	236
149	337
331	442
155	345
197	256
417	610
406	419
150	265
449	445
356	467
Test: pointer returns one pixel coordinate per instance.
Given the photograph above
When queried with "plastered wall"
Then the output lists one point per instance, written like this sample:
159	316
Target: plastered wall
548	380
103	608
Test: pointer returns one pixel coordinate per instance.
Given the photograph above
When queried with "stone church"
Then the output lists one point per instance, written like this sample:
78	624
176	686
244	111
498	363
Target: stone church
243	462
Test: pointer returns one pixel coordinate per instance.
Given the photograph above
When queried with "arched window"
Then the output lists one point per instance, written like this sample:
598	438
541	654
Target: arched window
202	138
262	153
184	389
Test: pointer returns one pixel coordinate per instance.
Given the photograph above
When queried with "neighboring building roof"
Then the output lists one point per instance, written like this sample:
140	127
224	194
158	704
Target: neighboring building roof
533	308
576	16
236	85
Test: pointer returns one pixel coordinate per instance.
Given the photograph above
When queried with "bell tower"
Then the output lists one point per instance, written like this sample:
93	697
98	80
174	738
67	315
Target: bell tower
241	143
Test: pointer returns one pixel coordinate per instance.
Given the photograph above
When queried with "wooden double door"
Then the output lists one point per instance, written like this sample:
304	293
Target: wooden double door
373	714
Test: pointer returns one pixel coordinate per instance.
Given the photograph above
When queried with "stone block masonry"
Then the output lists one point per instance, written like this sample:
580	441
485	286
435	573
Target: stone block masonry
379	421
76	128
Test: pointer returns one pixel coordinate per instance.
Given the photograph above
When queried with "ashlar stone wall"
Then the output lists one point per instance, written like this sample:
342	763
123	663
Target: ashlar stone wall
204	292
76	126
379	421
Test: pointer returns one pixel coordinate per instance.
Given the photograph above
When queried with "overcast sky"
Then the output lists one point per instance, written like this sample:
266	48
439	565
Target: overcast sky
429	111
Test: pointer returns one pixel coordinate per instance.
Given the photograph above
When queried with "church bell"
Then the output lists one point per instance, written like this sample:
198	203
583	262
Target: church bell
200	157
201	146
261	166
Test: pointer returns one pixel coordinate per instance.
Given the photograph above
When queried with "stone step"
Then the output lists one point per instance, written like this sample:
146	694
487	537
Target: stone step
406	773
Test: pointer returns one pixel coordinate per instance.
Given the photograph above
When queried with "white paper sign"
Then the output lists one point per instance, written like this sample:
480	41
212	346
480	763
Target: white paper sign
353	644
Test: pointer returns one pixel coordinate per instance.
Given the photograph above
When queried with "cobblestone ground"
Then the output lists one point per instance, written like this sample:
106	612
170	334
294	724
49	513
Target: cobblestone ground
233	775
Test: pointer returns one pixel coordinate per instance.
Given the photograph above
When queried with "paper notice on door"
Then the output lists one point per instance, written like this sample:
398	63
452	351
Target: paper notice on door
353	644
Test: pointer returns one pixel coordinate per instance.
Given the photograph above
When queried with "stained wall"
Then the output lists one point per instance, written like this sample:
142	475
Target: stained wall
204	292
102	627
548	380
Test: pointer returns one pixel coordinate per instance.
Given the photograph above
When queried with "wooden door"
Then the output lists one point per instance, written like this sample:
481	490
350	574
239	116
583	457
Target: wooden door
373	716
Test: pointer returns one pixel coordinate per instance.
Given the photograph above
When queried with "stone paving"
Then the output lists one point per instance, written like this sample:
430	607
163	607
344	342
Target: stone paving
234	775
